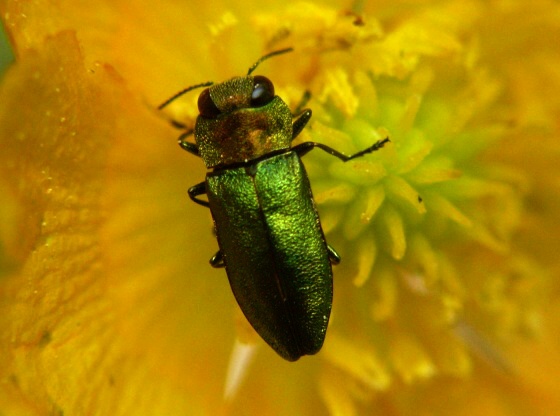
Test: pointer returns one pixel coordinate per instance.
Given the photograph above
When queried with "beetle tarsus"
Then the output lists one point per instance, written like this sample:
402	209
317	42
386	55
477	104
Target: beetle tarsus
303	148
376	146
196	190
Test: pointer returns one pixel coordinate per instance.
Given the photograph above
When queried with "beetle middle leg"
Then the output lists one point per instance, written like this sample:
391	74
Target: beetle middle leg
196	190
304	148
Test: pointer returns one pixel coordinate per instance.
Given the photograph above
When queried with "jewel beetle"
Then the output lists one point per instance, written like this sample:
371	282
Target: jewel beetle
269	235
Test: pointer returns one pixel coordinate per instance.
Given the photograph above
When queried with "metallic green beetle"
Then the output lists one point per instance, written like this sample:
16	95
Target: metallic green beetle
271	242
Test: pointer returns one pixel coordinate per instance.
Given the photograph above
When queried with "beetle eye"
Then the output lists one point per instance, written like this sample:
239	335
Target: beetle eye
263	91
206	106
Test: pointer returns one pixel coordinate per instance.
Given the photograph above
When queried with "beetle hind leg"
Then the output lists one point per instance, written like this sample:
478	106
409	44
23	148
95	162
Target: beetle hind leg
334	257
217	260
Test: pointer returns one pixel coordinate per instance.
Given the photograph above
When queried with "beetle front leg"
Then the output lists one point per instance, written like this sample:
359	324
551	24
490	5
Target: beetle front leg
300	123
304	148
303	115
188	146
196	190
302	103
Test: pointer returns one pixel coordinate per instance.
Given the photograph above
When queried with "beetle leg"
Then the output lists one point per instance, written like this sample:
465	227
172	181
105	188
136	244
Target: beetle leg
300	123
178	124
304	100
333	255
188	146
217	260
303	148
198	189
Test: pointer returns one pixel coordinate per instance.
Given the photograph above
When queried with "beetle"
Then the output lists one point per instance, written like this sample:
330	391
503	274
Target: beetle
269	235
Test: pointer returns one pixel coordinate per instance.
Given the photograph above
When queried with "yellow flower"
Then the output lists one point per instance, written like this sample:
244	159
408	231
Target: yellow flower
446	301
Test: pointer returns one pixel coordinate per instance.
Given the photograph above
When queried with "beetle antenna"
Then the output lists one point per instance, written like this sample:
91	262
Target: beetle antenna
269	55
193	87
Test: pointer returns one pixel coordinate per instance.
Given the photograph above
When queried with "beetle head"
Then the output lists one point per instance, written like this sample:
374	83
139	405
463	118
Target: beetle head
241	120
